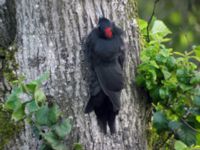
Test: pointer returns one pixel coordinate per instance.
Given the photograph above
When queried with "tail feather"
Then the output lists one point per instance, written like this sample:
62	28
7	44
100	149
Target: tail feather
106	115
103	108
111	122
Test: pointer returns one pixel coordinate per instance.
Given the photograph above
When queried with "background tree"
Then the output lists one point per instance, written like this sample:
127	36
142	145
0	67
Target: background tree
49	36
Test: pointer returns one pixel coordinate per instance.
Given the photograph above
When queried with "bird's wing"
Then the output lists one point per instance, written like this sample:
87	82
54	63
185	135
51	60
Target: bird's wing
110	76
111	82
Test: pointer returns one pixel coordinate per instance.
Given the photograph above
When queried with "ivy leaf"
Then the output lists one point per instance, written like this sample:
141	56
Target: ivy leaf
47	115
19	113
163	92
13	100
39	96
63	128
166	74
180	146
53	114
32	86
53	141
32	106
160	121
41	115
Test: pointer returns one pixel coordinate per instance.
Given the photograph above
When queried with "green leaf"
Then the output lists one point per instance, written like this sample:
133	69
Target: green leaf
32	86
164	93
187	135
142	24
53	114
160	121
39	96
160	28
32	106
41	116
198	118
196	100
47	115
78	146
53	141
63	128
195	79
154	64
174	125
140	80
19	113
154	93
166	73
171	83
185	87
183	132
171	62
198	140
13	100
179	145
197	51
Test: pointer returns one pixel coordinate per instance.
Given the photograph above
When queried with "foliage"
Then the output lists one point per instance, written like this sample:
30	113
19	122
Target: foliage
181	16
28	102
171	78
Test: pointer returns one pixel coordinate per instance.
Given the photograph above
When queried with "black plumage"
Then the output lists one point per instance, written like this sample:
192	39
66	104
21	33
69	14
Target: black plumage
104	47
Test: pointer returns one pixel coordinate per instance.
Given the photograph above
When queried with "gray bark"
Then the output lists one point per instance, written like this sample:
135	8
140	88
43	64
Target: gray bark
50	34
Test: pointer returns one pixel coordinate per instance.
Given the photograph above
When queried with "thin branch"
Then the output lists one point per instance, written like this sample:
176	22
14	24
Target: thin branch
150	19
183	120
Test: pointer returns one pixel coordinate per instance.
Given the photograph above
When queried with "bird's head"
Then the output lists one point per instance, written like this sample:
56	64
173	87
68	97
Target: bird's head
105	27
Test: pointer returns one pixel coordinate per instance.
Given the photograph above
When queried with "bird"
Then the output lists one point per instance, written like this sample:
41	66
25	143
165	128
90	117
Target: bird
106	54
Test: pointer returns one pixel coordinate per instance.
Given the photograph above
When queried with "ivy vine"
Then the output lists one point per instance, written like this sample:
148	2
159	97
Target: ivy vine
28	102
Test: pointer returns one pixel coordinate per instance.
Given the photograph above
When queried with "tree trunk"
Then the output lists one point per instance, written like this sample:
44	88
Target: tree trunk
50	34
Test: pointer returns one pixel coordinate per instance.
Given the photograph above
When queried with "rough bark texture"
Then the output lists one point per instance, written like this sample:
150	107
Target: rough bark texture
50	34
7	36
